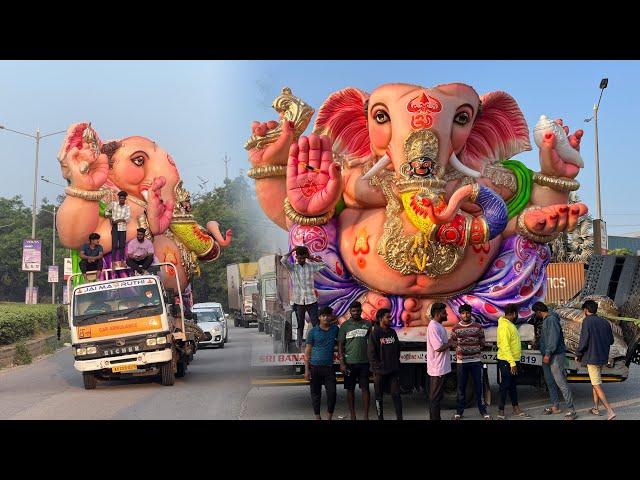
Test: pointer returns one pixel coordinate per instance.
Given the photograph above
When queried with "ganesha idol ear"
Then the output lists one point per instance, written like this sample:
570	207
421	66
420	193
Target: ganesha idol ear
499	133
343	119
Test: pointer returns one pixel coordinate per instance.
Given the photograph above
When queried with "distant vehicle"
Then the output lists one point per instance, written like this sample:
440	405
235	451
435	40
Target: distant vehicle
211	319
263	300
242	283
208	314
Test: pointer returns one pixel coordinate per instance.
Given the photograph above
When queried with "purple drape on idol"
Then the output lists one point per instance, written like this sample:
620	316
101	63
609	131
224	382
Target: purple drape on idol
517	275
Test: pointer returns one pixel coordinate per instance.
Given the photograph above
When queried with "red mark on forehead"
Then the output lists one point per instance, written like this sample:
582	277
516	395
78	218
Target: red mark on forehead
423	107
424	103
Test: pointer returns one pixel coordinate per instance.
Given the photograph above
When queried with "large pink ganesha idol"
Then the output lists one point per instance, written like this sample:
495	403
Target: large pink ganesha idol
96	171
411	197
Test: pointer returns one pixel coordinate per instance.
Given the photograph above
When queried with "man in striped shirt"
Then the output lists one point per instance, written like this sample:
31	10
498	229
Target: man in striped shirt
120	213
468	338
304	296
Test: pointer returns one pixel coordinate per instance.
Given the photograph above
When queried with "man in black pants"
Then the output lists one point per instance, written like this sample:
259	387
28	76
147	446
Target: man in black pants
318	362
384	357
304	296
120	213
140	252
354	361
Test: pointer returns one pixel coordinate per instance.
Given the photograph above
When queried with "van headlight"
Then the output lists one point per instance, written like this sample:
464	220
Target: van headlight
81	351
161	340
151	342
92	350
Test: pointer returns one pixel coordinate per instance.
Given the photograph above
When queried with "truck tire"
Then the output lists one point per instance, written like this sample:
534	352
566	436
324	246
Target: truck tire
246	322
182	369
90	381
260	326
167	375
235	322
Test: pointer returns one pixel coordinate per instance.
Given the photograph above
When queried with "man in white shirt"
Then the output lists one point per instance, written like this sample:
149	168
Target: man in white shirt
120	213
304	296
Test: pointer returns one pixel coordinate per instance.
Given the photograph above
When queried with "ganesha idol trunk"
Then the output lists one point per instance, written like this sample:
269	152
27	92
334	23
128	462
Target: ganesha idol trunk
443	231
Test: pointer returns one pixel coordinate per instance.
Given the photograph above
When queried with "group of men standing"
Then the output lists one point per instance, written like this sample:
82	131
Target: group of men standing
365	349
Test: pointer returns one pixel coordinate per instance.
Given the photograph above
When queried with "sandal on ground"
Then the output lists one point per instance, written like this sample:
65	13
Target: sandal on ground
595	411
486	416
501	417
612	416
550	411
523	415
570	416
456	417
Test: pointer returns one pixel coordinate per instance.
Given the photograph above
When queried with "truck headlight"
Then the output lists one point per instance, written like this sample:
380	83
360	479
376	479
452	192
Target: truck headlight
81	351
151	342
161	340
92	350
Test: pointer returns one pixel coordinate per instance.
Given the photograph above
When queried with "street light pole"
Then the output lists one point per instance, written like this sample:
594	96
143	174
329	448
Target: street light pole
598	232
33	209
53	237
37	138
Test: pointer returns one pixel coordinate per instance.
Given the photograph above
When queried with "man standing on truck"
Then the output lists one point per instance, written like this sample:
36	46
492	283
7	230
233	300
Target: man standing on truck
140	252
438	361
596	338
384	357
509	350
304	296
91	256
354	362
553	348
468	339
120	213
318	362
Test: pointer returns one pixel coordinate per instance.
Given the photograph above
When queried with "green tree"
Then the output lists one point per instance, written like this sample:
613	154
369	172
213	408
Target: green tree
620	251
233	205
15	225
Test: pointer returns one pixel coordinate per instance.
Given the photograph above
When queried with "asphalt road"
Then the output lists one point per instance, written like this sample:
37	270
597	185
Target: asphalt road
217	386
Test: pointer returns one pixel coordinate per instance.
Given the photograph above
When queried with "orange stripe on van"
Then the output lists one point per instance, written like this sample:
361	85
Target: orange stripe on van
142	324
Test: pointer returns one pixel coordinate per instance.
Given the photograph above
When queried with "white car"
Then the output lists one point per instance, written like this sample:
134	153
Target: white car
213	321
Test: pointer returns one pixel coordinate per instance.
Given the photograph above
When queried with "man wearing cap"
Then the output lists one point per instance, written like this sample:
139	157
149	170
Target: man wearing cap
120	215
140	252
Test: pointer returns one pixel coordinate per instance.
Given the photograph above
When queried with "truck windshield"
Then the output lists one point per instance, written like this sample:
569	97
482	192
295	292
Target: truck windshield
270	288
250	289
102	302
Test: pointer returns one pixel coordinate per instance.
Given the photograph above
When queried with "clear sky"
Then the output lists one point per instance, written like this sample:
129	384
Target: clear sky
200	110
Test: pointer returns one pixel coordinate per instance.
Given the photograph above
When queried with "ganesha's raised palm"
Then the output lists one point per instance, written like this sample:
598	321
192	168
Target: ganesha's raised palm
314	181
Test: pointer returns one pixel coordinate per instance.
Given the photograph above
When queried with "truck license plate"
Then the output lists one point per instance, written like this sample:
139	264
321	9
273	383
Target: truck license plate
127	367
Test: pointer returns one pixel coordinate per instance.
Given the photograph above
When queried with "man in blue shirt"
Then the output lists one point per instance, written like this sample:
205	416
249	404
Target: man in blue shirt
318	362
91	256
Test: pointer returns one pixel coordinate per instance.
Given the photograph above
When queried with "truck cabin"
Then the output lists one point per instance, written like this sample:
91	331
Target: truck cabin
97	303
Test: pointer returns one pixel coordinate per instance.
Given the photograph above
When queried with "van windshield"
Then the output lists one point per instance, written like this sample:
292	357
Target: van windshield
127	297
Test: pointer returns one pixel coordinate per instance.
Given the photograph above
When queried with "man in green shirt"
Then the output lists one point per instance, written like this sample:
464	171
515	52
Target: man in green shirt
354	362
